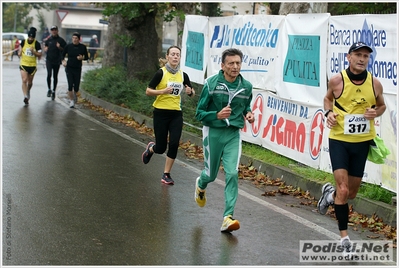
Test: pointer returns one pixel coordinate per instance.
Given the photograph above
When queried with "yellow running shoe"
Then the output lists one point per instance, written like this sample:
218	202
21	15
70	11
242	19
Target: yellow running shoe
199	195
229	224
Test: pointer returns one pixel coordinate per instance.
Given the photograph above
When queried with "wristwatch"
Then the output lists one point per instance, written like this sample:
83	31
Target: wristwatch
327	112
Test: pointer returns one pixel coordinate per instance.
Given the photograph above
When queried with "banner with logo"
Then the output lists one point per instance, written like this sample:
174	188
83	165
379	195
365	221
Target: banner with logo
194	52
380	32
257	36
301	66
389	133
293	129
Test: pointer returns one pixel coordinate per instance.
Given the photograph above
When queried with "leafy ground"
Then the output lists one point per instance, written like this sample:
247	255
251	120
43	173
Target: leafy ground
272	187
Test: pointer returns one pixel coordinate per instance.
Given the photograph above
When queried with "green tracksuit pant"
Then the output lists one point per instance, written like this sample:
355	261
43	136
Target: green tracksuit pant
222	144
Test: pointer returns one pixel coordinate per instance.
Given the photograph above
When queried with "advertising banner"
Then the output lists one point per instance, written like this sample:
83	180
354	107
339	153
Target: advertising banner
289	60
292	129
257	36
194	52
301	65
389	133
380	32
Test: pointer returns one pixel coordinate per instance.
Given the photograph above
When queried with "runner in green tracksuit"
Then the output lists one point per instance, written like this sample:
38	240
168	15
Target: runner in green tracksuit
223	106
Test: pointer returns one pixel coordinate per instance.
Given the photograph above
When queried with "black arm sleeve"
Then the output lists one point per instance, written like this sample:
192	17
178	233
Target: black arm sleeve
64	52
85	53
156	79
63	43
186	80
38	47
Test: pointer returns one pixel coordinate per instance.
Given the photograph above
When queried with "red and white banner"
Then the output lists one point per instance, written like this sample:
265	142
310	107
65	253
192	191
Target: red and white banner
293	129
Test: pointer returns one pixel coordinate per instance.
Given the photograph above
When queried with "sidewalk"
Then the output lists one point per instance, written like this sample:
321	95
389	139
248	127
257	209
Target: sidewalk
361	205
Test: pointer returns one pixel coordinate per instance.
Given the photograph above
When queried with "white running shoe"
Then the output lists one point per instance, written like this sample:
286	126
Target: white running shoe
323	204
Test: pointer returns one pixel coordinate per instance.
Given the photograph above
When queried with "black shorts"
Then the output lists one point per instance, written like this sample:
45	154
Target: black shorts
351	156
29	69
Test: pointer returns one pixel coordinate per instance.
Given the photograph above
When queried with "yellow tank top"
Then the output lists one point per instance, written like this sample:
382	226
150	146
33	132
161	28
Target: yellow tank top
27	57
170	101
351	124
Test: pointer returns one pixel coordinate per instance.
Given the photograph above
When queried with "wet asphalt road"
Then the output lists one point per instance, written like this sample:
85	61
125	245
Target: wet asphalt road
75	192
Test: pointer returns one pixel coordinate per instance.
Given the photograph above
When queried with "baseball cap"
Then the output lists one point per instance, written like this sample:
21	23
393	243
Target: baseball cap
54	28
359	45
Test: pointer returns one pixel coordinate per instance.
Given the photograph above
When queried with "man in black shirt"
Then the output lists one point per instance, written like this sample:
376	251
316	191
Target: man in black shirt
54	46
76	52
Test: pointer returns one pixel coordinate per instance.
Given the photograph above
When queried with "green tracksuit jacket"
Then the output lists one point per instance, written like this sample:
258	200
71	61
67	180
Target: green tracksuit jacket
215	96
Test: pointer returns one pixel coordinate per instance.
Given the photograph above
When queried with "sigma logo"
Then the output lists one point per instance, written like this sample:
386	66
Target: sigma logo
316	134
257	111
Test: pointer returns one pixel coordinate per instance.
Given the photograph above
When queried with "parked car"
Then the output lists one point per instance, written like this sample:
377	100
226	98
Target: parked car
10	36
7	41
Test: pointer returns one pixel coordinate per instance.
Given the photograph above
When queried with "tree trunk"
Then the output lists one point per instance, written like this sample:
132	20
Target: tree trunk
319	7
139	59
210	9
187	8
159	30
303	7
142	61
113	54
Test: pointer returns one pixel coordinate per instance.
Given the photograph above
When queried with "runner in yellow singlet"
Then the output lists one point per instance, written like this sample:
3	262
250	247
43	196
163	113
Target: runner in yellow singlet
354	98
29	51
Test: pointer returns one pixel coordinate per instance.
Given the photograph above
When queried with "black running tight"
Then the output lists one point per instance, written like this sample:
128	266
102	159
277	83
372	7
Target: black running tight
167	122
73	77
52	69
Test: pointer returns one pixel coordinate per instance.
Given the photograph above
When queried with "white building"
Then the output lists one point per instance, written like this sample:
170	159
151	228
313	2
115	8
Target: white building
71	17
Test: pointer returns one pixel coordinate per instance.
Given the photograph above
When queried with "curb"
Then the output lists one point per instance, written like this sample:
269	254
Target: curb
362	205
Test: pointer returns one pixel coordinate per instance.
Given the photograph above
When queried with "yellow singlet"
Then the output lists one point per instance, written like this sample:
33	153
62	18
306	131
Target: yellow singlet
170	101
351	124
27	57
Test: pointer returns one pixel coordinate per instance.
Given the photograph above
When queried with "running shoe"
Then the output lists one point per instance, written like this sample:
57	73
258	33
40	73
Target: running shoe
347	245
199	194
147	154
26	100
53	95
49	93
167	179
323	204
230	224
72	104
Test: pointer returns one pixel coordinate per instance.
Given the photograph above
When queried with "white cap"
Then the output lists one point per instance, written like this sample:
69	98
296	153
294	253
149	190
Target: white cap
94	36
